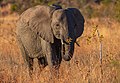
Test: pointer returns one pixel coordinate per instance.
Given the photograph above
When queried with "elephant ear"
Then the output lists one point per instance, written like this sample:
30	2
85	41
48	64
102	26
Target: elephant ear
40	22
79	21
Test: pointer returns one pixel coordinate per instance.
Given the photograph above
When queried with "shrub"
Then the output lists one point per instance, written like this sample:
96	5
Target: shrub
106	2
14	7
117	10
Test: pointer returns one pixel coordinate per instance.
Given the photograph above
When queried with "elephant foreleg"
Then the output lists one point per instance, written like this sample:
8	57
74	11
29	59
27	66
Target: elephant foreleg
28	61
22	48
53	61
30	65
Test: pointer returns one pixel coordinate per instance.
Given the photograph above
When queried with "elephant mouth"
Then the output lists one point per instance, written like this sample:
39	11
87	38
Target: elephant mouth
68	40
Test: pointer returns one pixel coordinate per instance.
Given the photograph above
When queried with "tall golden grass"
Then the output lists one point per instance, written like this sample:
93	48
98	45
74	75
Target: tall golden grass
84	66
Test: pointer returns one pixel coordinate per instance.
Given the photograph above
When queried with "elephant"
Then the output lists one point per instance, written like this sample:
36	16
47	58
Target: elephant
48	33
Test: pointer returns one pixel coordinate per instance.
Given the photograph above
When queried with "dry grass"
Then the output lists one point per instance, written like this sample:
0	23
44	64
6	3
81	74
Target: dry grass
84	66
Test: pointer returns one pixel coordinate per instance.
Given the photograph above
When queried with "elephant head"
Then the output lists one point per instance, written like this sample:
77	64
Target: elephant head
75	22
64	24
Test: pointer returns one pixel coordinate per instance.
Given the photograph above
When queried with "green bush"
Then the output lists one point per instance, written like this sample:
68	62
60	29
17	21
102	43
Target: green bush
109	8
106	2
14	7
117	10
20	6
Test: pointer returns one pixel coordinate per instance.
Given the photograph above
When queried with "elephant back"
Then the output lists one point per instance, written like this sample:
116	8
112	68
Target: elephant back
34	12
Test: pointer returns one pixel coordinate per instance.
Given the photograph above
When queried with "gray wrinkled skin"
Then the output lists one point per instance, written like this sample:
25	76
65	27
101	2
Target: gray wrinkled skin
41	30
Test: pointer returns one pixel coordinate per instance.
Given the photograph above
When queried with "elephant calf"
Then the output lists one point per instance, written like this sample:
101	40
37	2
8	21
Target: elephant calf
48	33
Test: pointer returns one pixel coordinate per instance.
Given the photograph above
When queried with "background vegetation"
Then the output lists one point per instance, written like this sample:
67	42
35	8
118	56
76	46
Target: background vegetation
91	8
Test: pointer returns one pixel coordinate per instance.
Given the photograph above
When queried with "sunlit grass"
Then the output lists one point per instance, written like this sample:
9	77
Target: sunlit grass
84	66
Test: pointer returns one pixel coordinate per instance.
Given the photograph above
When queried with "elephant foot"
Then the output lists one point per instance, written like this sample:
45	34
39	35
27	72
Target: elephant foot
31	73
30	66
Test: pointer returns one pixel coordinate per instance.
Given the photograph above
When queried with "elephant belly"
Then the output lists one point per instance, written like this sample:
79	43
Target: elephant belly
31	43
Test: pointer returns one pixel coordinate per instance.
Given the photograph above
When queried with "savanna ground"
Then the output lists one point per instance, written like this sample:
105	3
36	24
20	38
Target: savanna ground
85	64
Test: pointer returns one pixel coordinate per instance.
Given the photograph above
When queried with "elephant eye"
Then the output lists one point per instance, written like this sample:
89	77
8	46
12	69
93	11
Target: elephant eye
57	25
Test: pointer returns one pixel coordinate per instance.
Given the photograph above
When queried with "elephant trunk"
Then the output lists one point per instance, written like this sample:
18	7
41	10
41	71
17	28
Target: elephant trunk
67	40
68	51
